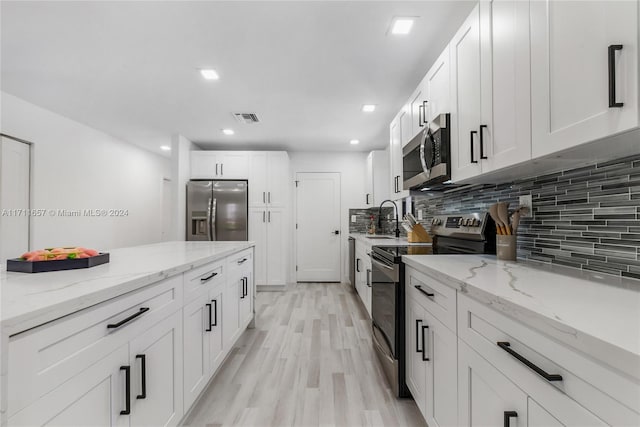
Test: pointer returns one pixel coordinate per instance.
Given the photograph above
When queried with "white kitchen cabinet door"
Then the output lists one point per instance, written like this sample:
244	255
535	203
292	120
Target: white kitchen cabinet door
257	179
277	253
504	135
279	179
245	298
204	165
485	394
438	86
466	103
417	105
214	331
156	374
234	165
395	154
441	348
368	181
195	317
230	319
570	95
258	234
416	367
380	176
94	397
406	123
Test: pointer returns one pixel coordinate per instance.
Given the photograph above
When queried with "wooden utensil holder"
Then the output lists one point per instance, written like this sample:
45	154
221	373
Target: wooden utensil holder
418	235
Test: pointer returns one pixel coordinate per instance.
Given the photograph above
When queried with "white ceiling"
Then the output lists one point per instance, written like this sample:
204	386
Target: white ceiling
304	67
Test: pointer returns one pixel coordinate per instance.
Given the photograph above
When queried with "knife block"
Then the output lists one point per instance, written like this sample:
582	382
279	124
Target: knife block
418	235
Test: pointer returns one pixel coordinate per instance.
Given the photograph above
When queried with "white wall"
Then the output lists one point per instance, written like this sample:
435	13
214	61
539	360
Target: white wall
181	148
78	167
352	169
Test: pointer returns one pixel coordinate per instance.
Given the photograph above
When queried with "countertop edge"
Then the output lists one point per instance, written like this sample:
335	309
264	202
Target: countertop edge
625	360
24	322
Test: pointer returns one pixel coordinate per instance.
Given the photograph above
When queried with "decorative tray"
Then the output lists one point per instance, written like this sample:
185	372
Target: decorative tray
22	266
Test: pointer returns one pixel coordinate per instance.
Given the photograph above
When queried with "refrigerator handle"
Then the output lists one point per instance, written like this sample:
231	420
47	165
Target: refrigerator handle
209	204
212	219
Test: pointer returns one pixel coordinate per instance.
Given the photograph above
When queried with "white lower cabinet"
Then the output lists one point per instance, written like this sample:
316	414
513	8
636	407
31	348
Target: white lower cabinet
155	386
141	359
363	275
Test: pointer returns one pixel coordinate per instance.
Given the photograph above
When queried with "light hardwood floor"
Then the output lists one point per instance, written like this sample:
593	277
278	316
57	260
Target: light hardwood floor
308	362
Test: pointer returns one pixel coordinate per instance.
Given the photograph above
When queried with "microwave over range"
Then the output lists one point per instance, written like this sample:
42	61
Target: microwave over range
426	159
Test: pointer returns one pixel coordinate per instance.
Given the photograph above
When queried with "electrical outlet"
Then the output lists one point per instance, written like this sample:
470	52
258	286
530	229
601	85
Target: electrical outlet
419	214
526	201
353	218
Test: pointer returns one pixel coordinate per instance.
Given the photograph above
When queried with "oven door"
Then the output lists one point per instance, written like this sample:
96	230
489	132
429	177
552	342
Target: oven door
384	310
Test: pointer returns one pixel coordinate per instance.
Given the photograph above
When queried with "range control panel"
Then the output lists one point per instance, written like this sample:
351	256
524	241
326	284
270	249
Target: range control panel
470	225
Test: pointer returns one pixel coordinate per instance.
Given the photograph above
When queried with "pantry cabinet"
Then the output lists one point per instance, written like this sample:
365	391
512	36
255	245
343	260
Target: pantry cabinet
269	178
584	72
219	165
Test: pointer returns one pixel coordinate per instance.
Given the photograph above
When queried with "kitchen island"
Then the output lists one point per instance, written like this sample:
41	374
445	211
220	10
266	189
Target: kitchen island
69	337
566	339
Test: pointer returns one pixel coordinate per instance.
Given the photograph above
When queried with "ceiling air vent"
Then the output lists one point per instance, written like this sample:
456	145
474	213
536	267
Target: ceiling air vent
246	118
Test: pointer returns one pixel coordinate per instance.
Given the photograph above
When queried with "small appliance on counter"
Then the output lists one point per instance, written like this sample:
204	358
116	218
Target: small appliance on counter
217	210
453	234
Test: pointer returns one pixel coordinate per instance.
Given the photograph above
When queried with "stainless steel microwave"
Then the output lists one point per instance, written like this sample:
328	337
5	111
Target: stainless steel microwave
426	159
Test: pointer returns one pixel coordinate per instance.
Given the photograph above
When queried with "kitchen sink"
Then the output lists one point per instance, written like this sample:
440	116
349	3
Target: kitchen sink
380	237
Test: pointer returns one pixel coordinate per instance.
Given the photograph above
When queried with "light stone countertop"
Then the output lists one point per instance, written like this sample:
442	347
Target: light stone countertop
29	300
595	313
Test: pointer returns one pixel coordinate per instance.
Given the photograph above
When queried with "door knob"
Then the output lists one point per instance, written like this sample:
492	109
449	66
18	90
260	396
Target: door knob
336	232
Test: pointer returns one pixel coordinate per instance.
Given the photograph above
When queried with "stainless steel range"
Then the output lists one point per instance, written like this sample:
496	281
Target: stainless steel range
473	233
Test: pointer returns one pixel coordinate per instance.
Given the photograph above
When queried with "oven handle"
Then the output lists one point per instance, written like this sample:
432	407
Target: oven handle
381	263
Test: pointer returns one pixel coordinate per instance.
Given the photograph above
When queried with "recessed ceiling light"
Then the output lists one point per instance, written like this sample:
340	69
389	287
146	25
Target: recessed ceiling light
368	108
354	142
165	148
209	74
401	25
228	131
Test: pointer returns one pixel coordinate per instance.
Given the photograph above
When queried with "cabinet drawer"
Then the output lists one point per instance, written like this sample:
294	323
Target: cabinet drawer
436	297
43	358
240	261
610	395
202	278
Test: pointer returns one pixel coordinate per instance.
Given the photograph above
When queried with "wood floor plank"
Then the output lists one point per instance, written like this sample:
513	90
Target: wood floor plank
308	362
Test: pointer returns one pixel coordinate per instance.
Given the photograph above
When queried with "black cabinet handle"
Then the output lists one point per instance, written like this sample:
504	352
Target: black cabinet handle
264	198
424	111
507	417
368	278
367	198
358	265
418	349
128	319
127	390
242	261
206	279
246	286
471	142
216	169
208	329
429	294
549	377
242	284
482	156
612	76
420	114
215	313
143	375
424	344
221	170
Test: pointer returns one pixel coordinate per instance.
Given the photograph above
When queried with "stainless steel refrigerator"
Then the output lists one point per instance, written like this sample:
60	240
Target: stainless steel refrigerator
217	210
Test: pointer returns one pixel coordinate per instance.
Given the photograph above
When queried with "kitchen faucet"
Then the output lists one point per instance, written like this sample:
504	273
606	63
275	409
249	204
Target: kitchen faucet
397	231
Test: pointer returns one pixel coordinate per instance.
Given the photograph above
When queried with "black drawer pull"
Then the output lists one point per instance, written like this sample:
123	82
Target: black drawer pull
418	349
241	261
549	377
242	281
208	328
429	294
128	319
612	76
215	313
206	279
507	417
127	391
471	142
143	375
424	344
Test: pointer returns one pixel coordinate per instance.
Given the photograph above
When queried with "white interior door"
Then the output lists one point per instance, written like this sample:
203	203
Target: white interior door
14	198
318	219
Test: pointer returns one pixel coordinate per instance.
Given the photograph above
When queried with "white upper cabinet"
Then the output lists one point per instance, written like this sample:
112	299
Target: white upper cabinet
584	71
437	86
490	69
466	102
416	108
395	156
377	178
269	178
219	165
